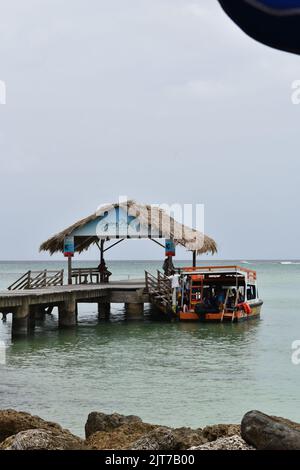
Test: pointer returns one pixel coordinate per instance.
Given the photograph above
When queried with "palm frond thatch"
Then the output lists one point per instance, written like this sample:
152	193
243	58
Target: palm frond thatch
155	217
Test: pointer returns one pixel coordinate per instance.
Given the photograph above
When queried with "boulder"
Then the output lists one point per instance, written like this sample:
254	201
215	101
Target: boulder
117	431
159	439
225	443
188	437
125	436
40	439
119	438
13	422
288	422
270	433
214	432
105	423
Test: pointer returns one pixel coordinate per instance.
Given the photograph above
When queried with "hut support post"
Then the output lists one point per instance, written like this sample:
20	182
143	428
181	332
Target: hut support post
69	270
101	251
134	311
103	310
21	319
67	313
194	259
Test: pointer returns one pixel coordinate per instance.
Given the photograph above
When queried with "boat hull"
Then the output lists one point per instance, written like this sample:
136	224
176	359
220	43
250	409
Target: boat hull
238	316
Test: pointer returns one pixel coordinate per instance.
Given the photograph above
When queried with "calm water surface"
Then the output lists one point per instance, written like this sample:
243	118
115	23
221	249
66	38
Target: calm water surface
170	373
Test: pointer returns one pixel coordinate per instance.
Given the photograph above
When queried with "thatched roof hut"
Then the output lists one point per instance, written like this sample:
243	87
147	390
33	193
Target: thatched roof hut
157	221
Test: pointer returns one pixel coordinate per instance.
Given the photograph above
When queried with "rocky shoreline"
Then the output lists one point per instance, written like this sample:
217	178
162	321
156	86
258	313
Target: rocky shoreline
22	431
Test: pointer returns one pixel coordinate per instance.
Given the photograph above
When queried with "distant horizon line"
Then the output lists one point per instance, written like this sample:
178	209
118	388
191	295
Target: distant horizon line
142	260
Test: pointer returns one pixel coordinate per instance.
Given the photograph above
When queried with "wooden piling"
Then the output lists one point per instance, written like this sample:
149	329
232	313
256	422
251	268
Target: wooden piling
38	311
134	311
20	322
67	313
103	310
31	320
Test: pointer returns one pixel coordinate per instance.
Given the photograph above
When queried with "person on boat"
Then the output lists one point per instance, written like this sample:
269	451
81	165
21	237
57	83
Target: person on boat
219	298
186	286
175	288
174	280
231	301
209	302
214	300
185	302
206	304
179	299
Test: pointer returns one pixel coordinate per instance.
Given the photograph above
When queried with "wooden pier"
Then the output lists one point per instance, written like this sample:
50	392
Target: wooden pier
36	293
29	304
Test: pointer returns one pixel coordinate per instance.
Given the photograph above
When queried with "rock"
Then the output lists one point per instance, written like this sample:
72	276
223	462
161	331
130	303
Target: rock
188	437
123	432
159	439
288	422
104	422
120	438
125	436
184	438
226	443
13	422
270	433
40	439
212	433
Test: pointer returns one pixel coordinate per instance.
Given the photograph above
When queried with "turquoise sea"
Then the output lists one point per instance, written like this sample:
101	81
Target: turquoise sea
176	374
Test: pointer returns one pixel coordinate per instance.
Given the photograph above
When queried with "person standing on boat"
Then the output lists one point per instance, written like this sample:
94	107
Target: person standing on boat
220	298
175	286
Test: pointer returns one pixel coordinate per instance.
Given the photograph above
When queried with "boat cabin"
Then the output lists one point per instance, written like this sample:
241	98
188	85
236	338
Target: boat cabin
217	293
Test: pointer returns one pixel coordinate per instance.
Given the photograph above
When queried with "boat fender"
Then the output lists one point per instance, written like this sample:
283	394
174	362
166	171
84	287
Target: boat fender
246	307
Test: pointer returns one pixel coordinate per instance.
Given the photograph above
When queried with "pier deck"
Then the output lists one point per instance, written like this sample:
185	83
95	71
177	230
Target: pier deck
30	304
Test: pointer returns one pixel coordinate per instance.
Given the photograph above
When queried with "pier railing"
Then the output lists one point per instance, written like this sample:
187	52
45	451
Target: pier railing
86	275
38	279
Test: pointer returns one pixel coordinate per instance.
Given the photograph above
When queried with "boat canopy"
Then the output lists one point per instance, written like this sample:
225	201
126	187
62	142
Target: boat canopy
213	272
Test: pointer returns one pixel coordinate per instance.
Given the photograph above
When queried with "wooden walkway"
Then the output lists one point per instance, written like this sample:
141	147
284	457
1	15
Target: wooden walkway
30	304
81	292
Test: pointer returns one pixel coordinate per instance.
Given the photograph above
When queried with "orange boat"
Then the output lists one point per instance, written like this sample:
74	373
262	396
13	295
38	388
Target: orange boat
217	293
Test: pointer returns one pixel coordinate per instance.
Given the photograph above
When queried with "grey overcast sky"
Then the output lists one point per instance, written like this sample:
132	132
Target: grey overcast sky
161	100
